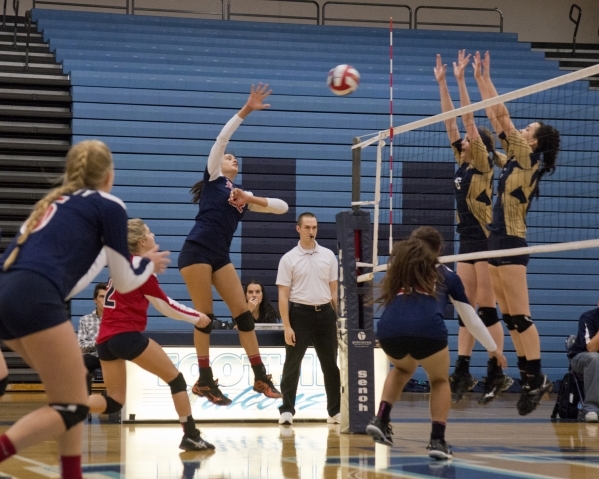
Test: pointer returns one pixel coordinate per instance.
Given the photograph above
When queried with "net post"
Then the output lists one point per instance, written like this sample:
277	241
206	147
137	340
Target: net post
356	317
356	160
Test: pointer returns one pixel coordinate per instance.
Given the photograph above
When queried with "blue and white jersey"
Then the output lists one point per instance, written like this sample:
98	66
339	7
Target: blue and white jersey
217	219
77	236
420	315
588	327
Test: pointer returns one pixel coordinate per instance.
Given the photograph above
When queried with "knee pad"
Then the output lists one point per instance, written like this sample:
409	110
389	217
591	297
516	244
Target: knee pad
245	321
178	384
488	316
522	322
112	406
72	414
460	322
3	385
509	322
207	329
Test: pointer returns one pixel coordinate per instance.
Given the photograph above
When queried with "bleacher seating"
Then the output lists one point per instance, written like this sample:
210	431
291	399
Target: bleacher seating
158	90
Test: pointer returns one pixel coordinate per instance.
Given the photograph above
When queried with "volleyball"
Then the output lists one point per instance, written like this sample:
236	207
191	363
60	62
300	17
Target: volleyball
343	80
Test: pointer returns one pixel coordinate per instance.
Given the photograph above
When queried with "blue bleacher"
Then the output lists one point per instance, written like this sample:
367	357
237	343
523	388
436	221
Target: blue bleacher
157	91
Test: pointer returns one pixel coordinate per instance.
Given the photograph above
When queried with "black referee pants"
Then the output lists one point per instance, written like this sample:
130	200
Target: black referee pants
318	329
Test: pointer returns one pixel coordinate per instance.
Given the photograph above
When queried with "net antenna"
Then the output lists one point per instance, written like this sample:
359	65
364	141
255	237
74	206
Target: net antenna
564	88
390	134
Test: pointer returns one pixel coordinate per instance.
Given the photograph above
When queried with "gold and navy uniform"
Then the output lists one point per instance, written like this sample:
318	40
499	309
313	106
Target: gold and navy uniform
473	188
517	184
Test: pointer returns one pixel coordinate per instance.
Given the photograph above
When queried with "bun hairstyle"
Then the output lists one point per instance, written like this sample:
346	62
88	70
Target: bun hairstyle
430	236
136	231
548	143
87	164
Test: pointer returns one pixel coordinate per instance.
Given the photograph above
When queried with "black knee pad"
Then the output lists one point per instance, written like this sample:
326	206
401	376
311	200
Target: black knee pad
522	322
509	322
3	385
488	316
245	321
207	329
460	322
72	414
112	406
178	384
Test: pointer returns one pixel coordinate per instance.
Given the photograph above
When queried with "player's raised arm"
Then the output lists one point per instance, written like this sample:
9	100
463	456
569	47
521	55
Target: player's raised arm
446	103
254	102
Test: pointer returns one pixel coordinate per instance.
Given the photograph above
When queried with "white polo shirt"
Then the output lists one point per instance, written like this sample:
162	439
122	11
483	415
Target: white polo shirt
308	274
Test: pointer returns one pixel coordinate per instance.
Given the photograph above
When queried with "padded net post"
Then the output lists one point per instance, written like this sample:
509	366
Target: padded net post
356	338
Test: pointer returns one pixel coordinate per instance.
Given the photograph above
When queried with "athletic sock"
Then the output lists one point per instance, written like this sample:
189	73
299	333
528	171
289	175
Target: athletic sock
71	467
462	365
255	360
522	369
204	362
384	413
7	448
189	425
533	373
257	366
438	430
493	369
206	375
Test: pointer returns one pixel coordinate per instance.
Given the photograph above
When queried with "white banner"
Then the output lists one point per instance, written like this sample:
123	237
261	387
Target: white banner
149	398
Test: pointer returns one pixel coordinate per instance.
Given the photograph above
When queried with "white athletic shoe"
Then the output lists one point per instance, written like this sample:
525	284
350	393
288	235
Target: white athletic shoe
336	419
286	419
591	416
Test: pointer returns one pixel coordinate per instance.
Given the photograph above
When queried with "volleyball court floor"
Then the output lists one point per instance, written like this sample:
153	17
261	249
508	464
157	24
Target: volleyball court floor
488	442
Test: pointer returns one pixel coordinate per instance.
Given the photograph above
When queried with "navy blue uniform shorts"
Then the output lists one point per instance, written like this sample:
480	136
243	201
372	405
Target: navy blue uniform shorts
195	253
123	346
418	348
468	244
498	242
29	303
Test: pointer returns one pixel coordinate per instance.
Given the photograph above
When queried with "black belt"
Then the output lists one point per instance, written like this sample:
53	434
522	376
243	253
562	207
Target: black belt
315	307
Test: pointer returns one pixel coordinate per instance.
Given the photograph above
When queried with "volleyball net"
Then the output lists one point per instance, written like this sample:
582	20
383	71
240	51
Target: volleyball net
407	175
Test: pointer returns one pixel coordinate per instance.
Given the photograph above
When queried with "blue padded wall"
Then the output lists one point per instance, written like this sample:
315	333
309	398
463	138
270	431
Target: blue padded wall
158	90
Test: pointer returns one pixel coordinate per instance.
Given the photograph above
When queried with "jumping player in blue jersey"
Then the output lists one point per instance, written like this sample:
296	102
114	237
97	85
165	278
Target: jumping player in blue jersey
473	188
71	234
531	153
412	331
204	259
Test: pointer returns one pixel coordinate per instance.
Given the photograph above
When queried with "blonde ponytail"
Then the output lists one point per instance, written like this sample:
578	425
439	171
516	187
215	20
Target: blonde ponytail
87	164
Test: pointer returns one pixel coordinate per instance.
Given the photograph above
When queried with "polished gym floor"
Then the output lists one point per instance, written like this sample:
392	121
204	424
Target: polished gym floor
488	442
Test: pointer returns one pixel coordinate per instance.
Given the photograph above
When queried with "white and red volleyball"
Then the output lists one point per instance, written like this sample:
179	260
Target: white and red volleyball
343	80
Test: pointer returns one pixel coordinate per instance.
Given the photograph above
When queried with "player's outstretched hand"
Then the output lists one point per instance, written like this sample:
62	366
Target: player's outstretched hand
501	361
159	258
440	70
487	66
257	97
204	321
289	336
462	63
478	66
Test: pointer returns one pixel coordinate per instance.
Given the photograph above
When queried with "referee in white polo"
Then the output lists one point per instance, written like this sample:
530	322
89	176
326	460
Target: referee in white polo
307	282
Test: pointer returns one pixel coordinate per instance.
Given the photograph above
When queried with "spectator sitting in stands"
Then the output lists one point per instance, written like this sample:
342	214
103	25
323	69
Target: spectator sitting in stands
258	303
584	356
89	325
